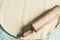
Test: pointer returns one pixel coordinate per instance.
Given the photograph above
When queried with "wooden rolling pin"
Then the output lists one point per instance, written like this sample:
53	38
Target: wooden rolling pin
40	21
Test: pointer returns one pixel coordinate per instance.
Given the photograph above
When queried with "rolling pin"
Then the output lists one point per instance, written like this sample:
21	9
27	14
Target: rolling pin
40	21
